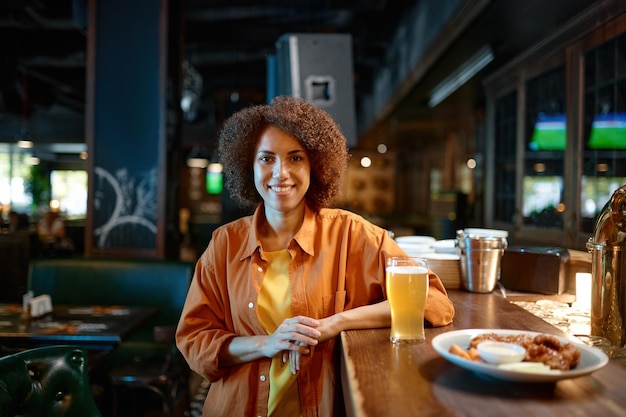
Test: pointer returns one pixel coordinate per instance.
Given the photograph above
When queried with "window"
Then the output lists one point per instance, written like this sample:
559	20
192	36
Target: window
562	106
69	188
542	184
604	127
14	170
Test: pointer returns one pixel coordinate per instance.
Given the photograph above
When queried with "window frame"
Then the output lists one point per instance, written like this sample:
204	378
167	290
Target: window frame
565	47
576	56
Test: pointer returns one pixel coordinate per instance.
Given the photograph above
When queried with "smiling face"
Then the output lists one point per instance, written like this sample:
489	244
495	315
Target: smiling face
282	171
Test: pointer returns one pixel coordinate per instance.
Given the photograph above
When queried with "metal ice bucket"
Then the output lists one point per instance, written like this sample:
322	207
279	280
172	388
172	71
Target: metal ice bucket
608	270
480	256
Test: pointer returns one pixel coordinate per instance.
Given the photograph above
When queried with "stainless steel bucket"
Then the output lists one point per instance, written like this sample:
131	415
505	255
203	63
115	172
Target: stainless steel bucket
480	260
608	263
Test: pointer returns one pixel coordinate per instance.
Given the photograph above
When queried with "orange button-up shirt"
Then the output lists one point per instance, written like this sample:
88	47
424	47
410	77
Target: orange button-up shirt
338	263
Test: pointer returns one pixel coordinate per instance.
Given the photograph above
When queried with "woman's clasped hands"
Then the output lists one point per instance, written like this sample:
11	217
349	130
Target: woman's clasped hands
293	338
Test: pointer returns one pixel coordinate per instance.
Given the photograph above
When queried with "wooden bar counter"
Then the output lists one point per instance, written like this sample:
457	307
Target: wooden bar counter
379	379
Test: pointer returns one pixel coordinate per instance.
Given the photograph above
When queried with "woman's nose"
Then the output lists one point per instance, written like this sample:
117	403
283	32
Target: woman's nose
280	170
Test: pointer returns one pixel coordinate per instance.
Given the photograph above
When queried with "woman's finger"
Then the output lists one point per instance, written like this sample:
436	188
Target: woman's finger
300	329
306	321
292	361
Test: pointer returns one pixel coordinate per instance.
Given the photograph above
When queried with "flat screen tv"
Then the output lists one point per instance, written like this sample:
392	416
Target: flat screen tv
548	133
608	131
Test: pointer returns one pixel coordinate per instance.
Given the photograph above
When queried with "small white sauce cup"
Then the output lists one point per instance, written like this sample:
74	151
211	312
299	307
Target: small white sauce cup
499	352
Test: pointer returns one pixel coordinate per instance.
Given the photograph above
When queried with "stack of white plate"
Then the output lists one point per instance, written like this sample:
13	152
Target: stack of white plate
448	246
416	245
442	256
447	266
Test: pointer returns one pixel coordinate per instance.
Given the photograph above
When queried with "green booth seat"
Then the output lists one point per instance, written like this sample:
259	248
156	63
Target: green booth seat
162	284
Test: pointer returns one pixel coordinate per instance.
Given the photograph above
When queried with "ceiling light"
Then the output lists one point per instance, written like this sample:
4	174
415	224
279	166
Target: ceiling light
197	162
461	75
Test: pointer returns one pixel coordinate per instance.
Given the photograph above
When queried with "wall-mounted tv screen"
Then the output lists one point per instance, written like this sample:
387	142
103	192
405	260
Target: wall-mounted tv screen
548	133
608	131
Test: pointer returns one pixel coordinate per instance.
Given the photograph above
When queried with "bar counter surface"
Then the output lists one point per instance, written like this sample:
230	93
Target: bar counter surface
379	379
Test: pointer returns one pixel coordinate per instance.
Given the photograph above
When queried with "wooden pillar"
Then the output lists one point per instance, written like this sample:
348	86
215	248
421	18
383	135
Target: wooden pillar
126	128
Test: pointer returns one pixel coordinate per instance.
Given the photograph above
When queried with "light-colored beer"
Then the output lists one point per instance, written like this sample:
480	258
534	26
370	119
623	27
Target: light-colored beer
407	290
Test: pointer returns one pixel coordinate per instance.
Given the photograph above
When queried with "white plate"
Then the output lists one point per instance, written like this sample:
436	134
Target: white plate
428	240
445	246
416	249
591	359
416	246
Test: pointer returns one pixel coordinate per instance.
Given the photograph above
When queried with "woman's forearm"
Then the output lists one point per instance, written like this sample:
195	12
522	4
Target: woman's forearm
293	334
365	317
241	349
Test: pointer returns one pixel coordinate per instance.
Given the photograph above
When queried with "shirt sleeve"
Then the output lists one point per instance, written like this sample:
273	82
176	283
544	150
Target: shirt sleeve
202	329
439	308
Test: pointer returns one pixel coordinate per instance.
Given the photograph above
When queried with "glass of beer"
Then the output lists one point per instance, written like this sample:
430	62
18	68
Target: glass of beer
407	289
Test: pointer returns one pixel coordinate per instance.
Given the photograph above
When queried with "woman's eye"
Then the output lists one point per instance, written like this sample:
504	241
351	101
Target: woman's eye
264	158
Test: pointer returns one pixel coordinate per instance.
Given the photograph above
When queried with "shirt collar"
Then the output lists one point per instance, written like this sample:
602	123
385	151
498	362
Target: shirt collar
304	236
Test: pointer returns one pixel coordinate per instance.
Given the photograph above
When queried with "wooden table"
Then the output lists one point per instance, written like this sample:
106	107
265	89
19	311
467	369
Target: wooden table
92	327
381	380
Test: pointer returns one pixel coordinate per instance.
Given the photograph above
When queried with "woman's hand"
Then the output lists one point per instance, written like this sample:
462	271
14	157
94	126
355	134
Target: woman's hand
365	317
294	334
326	330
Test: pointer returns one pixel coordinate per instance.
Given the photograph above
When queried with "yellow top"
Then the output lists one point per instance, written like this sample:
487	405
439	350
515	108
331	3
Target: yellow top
274	305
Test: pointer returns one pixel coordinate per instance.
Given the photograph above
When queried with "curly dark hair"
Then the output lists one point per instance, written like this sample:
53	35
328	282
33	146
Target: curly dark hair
313	127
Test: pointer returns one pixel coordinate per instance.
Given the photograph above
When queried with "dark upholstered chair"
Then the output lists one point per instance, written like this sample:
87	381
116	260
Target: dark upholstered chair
46	382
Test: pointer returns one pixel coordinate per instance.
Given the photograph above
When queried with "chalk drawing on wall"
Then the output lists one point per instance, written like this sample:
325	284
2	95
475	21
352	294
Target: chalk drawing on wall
125	208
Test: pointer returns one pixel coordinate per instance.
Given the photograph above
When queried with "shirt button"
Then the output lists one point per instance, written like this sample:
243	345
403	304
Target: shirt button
250	305
262	378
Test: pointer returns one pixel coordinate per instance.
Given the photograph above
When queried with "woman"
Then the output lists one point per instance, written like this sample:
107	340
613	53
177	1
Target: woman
273	290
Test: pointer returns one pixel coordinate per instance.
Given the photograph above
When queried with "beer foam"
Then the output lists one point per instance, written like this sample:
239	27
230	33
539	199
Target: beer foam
408	269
